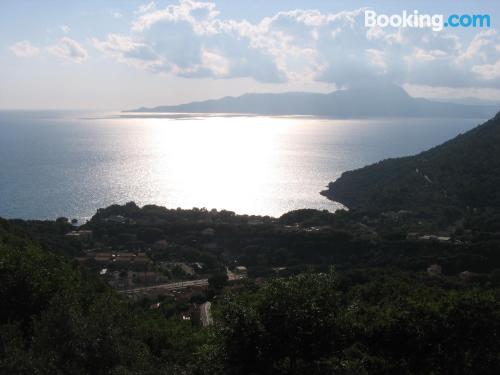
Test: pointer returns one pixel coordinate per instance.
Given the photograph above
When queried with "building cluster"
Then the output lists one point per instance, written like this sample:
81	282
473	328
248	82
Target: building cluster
123	259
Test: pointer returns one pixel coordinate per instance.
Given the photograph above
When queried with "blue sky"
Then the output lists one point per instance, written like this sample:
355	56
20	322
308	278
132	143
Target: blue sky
125	54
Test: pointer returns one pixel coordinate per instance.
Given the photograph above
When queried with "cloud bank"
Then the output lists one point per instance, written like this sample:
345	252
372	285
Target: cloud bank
192	39
24	49
69	49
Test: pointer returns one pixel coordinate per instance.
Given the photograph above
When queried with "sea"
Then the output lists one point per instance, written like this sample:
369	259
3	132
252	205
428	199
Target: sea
68	163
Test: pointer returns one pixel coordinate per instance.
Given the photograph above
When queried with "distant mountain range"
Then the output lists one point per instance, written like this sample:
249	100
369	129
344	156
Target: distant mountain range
384	100
459	174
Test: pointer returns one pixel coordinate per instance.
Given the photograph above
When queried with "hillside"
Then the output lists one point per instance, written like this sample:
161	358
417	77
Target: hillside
390	306
460	173
380	100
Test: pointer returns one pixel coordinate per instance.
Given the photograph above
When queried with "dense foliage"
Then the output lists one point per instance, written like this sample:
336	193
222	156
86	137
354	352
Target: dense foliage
380	313
447	180
57	319
390	325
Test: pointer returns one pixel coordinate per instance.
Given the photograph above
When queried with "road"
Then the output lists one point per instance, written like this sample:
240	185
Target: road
169	286
205	314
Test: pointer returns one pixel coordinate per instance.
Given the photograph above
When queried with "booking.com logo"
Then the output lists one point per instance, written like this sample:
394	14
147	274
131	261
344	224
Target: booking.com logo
435	21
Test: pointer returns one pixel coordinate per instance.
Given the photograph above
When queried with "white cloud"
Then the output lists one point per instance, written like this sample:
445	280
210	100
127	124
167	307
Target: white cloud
116	44
377	57
69	50
427	55
482	46
191	39
198	14
115	14
216	63
488	71
65	29
24	49
145	8
127	50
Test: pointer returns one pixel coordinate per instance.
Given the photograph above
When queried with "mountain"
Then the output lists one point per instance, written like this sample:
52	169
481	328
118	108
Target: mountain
460	173
379	100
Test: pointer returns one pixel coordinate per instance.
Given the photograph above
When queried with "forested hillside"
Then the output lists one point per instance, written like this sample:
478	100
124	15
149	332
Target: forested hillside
383	311
459	174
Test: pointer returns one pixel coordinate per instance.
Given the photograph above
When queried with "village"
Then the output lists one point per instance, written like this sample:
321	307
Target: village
185	259
134	273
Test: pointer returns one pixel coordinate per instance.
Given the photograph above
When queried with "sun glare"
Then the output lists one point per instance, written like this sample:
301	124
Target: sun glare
223	161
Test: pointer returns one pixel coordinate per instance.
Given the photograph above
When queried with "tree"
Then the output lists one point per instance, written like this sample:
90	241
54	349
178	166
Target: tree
286	328
150	235
218	281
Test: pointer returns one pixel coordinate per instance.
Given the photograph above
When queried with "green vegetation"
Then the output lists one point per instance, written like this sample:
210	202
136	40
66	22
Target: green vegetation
449	182
390	325
408	282
380	312
56	318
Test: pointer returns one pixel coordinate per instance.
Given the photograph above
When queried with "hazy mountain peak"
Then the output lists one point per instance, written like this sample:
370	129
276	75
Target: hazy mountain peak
379	87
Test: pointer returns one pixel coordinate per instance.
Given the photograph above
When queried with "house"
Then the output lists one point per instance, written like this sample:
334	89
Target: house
210	246
412	236
132	260
466	275
210	232
155	306
73	234
197	266
433	237
240	272
278	270
104	258
241	269
116	219
186	269
434	270
255	222
142	260
291	228
160	245
443	238
147	277
316	228
124	259
83	235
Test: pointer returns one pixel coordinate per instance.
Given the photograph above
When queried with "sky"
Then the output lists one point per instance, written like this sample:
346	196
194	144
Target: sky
99	54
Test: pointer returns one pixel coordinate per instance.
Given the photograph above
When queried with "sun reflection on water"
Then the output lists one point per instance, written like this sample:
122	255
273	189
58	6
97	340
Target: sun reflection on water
71	166
215	162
